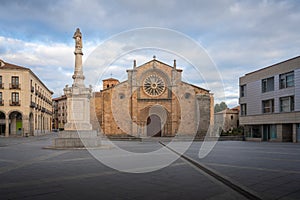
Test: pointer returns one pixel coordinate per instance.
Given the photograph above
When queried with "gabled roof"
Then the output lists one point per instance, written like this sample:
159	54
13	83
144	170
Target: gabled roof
153	61
158	62
5	65
195	86
110	79
236	108
179	70
229	111
60	98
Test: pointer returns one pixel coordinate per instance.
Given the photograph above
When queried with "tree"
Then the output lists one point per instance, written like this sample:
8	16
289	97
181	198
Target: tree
220	107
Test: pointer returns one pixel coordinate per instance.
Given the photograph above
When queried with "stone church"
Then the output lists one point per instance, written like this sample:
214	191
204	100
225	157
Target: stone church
153	101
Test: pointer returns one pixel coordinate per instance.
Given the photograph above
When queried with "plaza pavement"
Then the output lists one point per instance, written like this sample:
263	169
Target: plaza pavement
27	171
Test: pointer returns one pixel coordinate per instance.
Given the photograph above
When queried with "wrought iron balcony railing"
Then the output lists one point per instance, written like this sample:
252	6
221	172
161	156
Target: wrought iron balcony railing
14	86
14	103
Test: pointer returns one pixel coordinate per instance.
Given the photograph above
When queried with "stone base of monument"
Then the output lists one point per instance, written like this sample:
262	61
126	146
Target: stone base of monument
76	139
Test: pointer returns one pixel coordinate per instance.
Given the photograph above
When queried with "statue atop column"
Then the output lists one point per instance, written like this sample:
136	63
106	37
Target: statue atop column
78	96
78	131
78	39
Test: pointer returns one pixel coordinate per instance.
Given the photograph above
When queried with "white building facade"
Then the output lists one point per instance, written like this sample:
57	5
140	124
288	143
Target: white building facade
270	102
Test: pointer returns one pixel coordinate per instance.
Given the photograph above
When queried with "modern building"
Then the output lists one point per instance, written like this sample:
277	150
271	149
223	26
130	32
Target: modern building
25	102
270	102
153	101
229	118
59	112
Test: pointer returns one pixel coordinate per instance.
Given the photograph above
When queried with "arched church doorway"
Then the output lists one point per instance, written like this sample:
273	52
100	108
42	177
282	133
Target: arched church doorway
153	126
15	125
2	123
31	124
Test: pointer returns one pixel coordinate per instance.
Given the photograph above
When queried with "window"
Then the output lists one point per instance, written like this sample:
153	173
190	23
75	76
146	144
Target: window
14	83
15	80
256	132
268	106
286	80
31	86
243	109
1	84
187	95
267	84
287	104
242	90
15	97
1	100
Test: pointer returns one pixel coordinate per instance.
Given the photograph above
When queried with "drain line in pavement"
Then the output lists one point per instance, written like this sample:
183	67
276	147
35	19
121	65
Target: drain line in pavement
216	176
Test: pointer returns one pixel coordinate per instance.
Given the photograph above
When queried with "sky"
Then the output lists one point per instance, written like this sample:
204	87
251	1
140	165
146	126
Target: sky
238	37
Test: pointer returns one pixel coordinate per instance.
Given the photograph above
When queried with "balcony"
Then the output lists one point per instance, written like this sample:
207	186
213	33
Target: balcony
39	94
32	104
14	103
1	102
1	85
32	89
14	86
43	109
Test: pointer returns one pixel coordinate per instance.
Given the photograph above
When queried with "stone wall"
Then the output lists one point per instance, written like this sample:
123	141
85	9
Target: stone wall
124	108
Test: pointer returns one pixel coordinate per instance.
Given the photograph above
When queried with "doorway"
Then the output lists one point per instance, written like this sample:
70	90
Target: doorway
15	125
2	123
269	132
31	124
298	132
153	126
266	133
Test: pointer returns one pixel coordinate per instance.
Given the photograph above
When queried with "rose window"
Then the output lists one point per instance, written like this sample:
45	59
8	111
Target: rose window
154	85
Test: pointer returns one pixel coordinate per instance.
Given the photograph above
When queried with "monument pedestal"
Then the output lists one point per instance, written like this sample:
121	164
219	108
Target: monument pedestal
77	139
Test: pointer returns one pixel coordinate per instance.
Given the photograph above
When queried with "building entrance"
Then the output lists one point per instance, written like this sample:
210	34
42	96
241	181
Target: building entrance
269	132
153	126
2	123
15	125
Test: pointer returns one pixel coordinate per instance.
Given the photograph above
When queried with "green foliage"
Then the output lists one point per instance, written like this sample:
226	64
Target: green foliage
233	132
220	107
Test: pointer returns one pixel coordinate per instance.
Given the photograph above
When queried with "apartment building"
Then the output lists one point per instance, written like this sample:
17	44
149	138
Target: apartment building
270	102
59	112
25	102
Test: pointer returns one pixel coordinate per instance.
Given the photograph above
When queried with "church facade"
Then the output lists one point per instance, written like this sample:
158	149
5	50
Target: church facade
153	101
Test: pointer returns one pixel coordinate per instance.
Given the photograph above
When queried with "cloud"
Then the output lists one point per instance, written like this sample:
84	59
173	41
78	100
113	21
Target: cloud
52	62
239	36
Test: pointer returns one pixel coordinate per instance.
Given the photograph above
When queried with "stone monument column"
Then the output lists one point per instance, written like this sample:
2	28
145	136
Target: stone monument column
78	131
78	96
